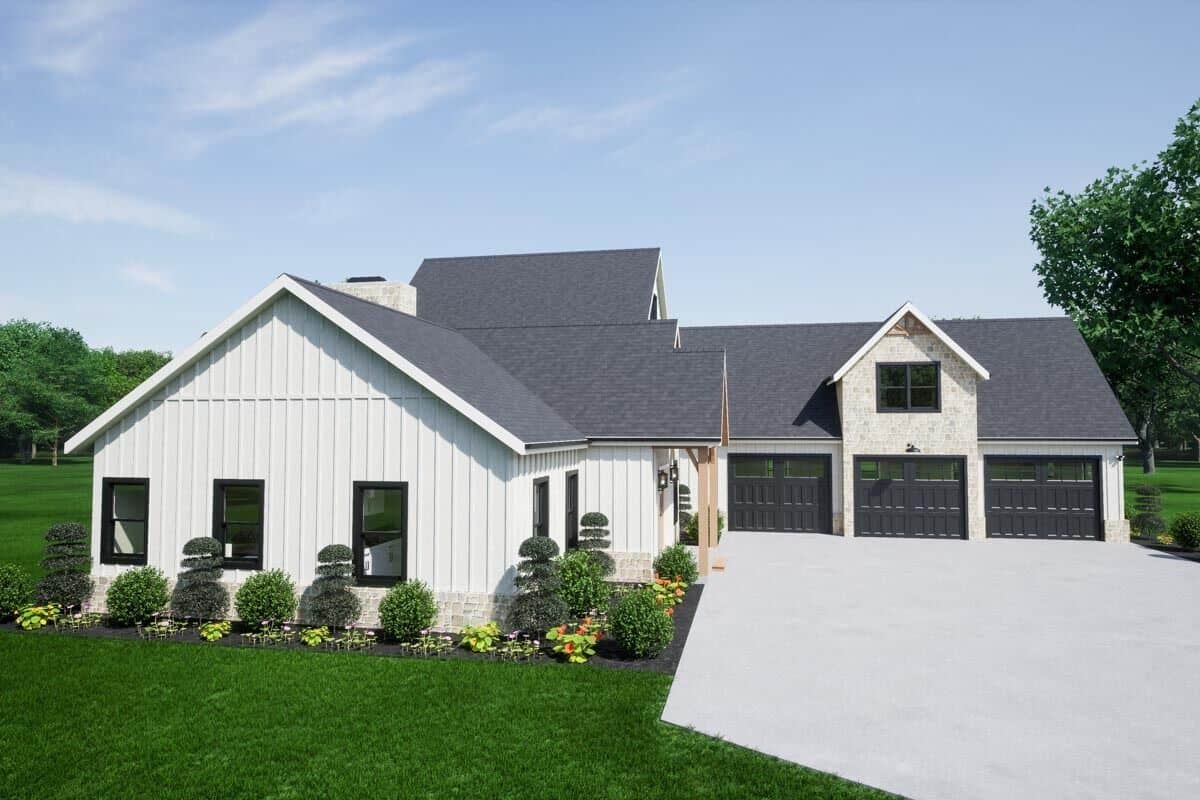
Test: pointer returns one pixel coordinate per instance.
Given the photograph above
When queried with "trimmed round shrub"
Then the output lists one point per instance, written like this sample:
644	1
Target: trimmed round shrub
581	583
333	603
67	564
407	609
199	593
639	624
136	595
1185	530
537	607
266	598
1148	522
16	589
593	538
677	562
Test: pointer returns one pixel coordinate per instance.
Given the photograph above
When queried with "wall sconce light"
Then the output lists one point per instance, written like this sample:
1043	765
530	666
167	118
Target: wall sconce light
663	480
912	448
674	472
1121	457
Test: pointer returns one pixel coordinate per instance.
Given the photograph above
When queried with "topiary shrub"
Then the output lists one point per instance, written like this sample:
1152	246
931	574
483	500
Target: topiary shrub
639	625
266	598
16	590
594	540
1185	530
136	595
1148	522
407	609
333	603
581	583
537	606
67	564
199	593
677	562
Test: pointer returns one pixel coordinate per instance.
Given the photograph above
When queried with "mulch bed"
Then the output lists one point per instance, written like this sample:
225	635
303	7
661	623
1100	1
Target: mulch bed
607	655
1189	555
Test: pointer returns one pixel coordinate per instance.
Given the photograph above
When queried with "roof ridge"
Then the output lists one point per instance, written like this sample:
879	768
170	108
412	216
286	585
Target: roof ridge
569	325
871	322
542	253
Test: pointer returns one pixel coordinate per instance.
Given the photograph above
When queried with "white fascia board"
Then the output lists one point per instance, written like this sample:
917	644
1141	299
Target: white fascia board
277	287
1071	442
909	308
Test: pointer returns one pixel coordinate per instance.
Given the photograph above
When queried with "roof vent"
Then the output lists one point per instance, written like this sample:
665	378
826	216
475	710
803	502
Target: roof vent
366	279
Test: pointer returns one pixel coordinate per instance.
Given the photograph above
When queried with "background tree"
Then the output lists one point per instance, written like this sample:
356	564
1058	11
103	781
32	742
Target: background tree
121	371
199	593
333	603
1122	257
593	538
67	564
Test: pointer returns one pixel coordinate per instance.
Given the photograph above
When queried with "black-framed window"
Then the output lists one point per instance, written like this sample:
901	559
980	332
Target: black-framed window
541	507
124	523
572	510
380	532
238	513
881	470
909	387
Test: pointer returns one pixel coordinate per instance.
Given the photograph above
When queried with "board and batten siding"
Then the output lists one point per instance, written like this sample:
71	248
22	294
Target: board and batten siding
291	399
621	482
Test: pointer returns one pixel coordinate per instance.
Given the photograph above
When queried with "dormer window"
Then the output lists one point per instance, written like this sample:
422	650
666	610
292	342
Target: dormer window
909	387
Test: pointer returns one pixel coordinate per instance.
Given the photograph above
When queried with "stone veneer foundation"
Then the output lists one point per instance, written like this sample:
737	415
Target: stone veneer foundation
455	609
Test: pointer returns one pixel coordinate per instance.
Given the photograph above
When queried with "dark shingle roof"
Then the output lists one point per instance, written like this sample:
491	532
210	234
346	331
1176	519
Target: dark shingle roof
1044	384
590	287
615	381
458	364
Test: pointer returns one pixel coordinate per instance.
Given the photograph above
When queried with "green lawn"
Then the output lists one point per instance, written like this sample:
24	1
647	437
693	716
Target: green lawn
35	496
1179	481
87	718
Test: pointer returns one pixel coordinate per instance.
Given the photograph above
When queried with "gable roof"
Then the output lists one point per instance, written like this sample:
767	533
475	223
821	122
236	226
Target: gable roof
615	381
1044	383
442	360
905	310
587	287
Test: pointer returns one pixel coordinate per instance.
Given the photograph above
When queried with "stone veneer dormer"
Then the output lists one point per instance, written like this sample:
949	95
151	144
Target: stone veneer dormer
951	431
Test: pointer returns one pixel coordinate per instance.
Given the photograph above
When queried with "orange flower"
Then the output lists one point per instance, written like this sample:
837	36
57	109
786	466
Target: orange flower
679	592
562	629
587	620
670	611
569	648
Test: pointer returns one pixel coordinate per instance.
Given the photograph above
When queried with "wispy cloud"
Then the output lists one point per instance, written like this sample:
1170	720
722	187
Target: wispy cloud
296	65
580	124
72	37
36	195
141	275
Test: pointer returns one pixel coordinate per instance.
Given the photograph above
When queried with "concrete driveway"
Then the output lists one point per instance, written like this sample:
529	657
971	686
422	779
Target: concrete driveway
954	669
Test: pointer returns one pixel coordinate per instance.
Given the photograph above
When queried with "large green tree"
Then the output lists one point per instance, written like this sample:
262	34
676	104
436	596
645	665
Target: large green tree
52	383
1122	257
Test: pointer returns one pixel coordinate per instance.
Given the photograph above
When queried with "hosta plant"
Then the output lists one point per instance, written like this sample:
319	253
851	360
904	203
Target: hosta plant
576	643
212	631
30	618
315	637
481	638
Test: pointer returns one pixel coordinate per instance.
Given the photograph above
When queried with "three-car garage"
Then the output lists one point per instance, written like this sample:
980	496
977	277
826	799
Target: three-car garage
920	496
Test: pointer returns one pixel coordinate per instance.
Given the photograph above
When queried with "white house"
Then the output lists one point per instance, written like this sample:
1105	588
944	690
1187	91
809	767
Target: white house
433	426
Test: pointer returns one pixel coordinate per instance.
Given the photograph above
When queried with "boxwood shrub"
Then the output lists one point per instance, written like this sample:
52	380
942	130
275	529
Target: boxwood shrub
407	609
136	595
639	624
581	582
333	603
1185	530
16	589
677	562
199	593
67	563
266	598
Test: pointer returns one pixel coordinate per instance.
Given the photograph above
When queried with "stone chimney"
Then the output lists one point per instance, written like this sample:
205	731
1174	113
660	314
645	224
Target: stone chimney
376	289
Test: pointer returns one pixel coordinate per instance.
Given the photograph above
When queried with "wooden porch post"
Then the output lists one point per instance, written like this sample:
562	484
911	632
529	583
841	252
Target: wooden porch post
702	507
712	497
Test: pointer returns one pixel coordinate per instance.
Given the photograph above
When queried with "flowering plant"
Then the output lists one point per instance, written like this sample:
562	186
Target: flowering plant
354	639
668	592
429	644
578	644
78	620
516	646
162	628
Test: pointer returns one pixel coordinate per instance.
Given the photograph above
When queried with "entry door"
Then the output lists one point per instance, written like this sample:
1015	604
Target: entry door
572	510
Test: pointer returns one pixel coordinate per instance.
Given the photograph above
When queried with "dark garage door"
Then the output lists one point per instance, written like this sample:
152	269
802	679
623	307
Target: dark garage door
1042	498
780	493
920	497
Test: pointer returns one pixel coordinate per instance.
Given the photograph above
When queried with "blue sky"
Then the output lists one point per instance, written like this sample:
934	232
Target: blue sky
160	163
